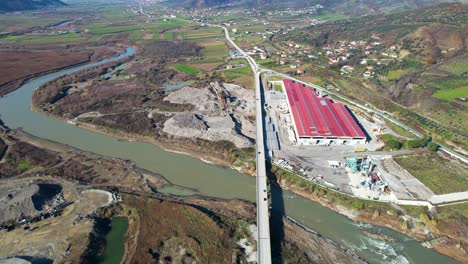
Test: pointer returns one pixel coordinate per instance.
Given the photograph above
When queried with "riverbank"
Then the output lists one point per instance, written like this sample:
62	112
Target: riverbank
432	228
231	221
15	84
381	214
182	146
95	55
231	217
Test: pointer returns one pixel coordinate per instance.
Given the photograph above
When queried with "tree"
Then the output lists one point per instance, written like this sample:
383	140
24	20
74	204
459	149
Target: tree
416	143
432	146
358	205
393	144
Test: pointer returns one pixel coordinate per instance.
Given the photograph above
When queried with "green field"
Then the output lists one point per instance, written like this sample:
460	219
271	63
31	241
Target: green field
450	82
215	47
398	129
202	36
70	37
23	21
169	36
186	69
236	73
451	94
215	54
395	74
438	174
278	87
327	15
208	61
135	35
110	30
242	70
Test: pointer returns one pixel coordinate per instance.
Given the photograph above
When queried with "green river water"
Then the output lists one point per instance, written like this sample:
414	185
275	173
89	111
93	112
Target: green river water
212	180
115	246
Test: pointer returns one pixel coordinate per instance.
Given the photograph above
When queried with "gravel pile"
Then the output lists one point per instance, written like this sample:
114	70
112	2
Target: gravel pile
220	113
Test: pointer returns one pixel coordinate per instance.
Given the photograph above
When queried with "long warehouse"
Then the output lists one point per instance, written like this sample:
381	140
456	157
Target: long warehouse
318	120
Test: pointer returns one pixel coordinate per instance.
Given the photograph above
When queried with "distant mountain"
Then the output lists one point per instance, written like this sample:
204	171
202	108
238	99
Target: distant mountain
20	5
356	7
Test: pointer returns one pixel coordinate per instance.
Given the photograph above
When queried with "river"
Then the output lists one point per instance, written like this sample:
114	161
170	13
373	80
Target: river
211	180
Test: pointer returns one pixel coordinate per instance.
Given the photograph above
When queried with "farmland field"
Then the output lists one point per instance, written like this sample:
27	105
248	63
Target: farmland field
457	66
186	69
214	47
450	82
452	94
206	61
236	73
215	54
69	37
437	173
169	36
109	30
395	74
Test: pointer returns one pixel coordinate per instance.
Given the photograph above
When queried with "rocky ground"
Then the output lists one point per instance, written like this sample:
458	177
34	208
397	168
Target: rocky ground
17	200
220	112
60	237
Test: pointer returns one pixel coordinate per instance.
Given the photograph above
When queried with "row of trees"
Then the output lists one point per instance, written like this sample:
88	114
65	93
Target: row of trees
395	144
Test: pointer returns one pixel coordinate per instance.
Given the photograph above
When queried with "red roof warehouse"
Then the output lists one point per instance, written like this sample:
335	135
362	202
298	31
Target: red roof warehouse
316	116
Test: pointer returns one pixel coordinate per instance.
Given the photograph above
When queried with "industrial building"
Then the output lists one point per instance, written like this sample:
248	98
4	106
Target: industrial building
318	120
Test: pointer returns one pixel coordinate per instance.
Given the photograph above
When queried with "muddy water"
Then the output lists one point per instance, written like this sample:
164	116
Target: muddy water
211	180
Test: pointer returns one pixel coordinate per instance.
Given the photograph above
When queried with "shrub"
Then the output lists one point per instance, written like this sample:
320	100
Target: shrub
432	146
393	144
358	205
416	143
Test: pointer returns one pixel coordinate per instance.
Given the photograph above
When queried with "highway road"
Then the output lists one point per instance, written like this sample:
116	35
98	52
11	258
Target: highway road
263	216
264	243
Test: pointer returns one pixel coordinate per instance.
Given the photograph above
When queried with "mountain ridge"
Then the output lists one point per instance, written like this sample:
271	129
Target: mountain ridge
21	5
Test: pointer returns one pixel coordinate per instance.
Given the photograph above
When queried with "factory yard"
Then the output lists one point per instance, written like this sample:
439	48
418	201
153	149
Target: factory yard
360	169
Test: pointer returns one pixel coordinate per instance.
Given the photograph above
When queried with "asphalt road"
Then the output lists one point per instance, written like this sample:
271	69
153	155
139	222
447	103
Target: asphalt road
263	219
263	236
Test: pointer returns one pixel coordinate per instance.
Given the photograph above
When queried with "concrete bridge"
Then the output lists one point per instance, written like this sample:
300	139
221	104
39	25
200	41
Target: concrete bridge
263	215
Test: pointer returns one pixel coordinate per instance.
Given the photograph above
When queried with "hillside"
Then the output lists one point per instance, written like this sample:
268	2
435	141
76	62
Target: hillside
416	58
422	30
20	5
361	7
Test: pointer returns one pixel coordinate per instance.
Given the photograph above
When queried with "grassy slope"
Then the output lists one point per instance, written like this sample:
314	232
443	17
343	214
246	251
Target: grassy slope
437	173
